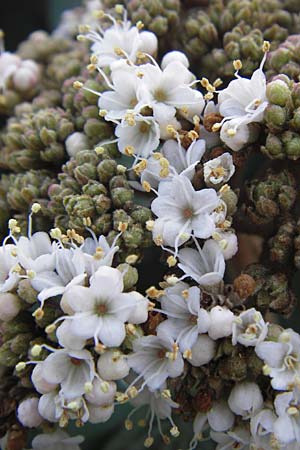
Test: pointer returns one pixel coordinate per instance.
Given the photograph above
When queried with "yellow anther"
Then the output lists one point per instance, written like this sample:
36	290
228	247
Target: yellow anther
56	233
130	329
88	387
185	294
121	169
129	150
100	348
121	397
50	328
87	221
193	135
99	14
150	225
104	387
187	354
119	9
171	261
91	67
81	38
157	156
35	208
99	150
122	226
20	366
204	82
217	83
77	84
140	167
166	394
99	253
216	127
231	132
209	96
83	28
146	186
139	25
132	392
103	112
128	424
152	292
148	442
237	64
31	274
266	46
174	431
131	259
164	173
38	314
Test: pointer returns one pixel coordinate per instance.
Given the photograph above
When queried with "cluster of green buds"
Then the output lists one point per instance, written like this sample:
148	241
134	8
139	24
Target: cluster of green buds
161	17
93	191
269	198
282	119
81	104
35	141
285	58
20	191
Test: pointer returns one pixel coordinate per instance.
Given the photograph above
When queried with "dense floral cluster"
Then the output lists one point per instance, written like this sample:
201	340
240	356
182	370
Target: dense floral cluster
153	236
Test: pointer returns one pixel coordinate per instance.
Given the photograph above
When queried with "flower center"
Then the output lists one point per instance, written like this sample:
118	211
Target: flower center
218	172
144	127
161	353
160	95
76	361
101	309
193	320
188	213
251	329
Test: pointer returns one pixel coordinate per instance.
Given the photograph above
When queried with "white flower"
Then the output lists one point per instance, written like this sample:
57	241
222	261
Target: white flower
122	36
181	161
183	211
219	418
9	64
102	392
26	76
28	413
262	426
287	426
59	440
249	328
41	385
155	358
186	319
221	320
245	98
235	133
227	241
8	261
69	271
159	404
238	438
76	142
71	369
10	306
120	100
167	90
172	56
112	365
245	399
282	359
101	310
218	170
139	139
206	265
36	252
203	351
97	253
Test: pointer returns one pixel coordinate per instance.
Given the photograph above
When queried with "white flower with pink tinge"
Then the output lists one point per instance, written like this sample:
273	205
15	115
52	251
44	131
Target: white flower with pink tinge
155	358
186	319
101	310
183	211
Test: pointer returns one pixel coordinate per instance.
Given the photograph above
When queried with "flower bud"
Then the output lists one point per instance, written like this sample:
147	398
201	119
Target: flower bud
10	306
28	413
112	365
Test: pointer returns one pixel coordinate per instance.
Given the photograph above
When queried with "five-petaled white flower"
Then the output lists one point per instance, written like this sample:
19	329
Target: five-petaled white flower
186	319
101	310
183	211
249	328
155	358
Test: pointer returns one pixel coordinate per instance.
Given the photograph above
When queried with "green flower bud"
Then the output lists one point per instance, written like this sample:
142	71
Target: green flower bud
278	93
26	292
130	275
